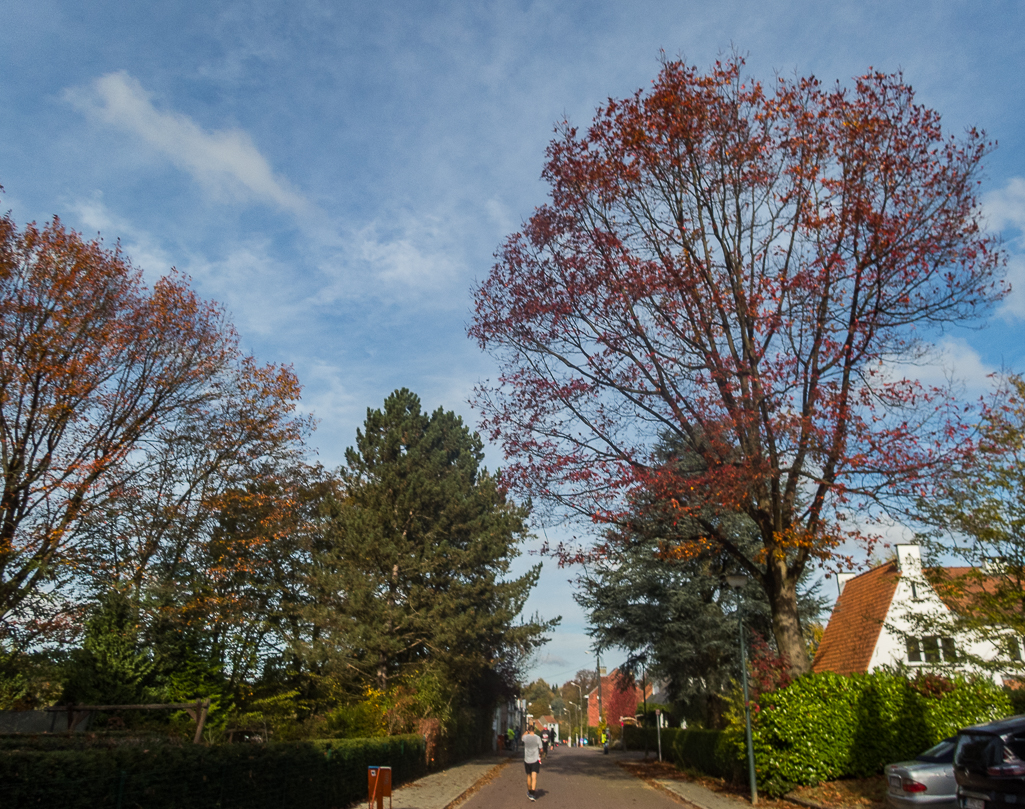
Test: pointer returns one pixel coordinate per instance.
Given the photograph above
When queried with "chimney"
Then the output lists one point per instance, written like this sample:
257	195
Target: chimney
909	560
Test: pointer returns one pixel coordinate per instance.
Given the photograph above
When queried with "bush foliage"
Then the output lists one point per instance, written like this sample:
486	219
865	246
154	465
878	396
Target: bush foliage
311	774
827	726
712	752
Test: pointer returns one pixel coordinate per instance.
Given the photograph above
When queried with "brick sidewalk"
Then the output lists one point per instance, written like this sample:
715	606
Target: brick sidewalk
441	789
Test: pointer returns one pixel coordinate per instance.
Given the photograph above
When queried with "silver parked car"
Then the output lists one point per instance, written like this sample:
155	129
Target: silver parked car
928	781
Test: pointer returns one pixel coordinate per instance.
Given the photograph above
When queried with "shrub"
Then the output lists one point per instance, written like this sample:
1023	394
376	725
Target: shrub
827	726
711	752
318	774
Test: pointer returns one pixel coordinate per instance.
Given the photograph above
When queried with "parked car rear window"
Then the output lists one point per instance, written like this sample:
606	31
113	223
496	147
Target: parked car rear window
977	752
1016	744
942	753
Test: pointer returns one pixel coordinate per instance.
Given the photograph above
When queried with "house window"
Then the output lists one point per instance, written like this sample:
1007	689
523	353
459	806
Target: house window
1014	648
914	650
914	591
949	651
931	649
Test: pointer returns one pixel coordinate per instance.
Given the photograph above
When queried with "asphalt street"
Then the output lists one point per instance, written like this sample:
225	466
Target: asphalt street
571	777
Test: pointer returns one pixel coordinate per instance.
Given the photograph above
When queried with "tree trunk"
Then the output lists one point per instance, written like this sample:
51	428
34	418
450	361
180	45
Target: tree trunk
781	588
382	660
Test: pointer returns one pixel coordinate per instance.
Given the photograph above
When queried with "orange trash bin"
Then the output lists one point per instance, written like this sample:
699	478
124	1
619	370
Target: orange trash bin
378	786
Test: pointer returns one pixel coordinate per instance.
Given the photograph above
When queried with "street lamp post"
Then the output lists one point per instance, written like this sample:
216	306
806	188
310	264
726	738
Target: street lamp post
579	707
736	581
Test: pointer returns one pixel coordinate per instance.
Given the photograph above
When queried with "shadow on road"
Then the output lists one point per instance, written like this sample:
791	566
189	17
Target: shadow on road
584	761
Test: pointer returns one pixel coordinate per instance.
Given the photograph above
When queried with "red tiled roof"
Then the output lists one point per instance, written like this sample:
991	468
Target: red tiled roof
857	620
956	586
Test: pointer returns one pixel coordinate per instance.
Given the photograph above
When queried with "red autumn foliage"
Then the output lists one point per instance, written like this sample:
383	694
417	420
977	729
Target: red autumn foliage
622	698
739	270
770	671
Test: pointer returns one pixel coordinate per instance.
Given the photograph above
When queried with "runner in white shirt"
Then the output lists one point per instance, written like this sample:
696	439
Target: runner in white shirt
531	760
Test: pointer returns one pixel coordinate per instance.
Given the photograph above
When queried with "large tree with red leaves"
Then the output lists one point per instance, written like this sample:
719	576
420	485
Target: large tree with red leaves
739	271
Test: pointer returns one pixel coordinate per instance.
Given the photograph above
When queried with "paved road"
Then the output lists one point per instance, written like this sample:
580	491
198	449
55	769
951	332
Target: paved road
571	778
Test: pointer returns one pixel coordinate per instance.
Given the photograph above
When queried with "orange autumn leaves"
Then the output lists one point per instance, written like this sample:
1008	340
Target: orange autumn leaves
106	386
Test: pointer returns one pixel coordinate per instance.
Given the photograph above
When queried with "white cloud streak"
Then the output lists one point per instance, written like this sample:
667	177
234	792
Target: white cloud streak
225	162
1005	207
1003	210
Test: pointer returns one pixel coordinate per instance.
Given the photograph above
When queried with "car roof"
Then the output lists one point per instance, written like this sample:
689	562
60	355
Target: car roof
998	728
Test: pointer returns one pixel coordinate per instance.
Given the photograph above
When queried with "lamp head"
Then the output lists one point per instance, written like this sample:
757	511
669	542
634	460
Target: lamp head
736	581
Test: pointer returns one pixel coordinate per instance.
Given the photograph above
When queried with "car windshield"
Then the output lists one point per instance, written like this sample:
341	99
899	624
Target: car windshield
942	753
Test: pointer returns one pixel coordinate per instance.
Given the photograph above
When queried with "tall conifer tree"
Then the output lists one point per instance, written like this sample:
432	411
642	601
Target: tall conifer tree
419	544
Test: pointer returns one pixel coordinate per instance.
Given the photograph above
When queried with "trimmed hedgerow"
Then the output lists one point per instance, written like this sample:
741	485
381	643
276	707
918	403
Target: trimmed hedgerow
708	751
316	774
827	726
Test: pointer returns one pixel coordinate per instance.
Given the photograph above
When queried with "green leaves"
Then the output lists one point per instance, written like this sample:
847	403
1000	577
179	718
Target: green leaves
827	726
416	547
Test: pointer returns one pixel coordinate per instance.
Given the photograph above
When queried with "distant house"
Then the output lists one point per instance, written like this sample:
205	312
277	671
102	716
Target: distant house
620	696
873	623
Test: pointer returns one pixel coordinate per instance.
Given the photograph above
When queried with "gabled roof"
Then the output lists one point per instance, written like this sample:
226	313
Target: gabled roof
966	583
857	620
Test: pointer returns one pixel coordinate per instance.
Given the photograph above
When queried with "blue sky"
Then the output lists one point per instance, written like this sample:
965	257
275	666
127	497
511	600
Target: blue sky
337	174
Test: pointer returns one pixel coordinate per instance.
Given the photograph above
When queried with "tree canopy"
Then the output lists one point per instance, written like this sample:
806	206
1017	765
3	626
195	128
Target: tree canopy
741	269
417	551
125	412
977	518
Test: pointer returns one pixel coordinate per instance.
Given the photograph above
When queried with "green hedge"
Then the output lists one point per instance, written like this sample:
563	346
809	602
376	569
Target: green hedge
331	773
712	752
85	741
827	726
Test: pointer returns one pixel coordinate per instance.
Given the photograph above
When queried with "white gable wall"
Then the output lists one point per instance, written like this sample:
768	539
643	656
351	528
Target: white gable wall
915	596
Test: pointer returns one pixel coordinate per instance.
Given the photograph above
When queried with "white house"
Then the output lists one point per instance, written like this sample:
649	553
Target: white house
873	623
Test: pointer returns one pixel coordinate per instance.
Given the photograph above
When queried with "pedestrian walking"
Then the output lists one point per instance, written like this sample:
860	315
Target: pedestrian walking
545	737
531	760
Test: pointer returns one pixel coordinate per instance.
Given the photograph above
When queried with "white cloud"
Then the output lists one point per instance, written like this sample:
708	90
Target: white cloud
225	162
958	360
402	259
1006	207
1014	304
413	259
138	245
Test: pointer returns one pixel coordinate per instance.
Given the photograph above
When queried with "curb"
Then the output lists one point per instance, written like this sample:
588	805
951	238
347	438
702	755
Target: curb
805	803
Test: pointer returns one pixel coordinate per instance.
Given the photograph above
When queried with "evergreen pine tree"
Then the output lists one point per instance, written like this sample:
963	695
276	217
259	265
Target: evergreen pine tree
418	544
